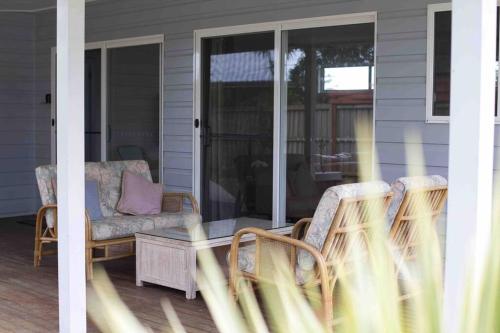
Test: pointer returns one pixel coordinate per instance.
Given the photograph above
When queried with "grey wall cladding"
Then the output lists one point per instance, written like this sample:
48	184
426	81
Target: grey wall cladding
18	144
401	47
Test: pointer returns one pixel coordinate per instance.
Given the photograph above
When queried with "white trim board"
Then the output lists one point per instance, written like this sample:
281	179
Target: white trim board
35	10
104	46
279	132
432	9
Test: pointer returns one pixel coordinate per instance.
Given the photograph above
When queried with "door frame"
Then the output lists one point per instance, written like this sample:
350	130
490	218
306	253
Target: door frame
104	46
279	132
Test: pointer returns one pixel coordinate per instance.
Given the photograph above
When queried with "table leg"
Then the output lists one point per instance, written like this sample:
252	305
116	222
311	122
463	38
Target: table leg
191	273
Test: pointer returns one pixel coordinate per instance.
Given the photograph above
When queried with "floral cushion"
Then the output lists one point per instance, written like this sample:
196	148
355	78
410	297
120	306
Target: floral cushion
44	176
127	225
246	263
120	226
167	220
326	210
246	258
403	184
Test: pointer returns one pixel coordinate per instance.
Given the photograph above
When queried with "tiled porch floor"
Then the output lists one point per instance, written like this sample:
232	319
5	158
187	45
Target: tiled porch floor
28	297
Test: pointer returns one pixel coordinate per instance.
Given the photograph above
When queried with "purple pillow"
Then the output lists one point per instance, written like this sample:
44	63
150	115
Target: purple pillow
139	195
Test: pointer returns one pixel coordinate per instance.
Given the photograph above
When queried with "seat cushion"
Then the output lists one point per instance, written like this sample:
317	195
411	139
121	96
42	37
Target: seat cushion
120	226
167	220
403	184
246	263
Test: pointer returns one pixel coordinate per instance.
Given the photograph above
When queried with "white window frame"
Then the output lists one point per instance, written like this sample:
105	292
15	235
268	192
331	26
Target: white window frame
104	46
279	132
432	9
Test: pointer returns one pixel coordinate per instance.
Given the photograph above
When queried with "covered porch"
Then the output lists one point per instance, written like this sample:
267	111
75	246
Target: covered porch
104	80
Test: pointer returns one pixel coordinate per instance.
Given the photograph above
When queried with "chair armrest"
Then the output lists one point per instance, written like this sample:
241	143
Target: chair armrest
43	211
300	228
173	202
39	220
322	269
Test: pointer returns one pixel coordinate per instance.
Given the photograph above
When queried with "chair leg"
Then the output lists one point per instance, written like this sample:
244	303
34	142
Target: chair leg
38	253
35	253
89	263
38	243
328	309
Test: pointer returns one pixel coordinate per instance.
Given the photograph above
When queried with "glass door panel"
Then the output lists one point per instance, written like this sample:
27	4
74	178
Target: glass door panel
93	105
237	97
329	75
134	105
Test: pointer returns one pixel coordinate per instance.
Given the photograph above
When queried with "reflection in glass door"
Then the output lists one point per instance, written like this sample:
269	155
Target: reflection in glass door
237	78
93	105
329	74
134	105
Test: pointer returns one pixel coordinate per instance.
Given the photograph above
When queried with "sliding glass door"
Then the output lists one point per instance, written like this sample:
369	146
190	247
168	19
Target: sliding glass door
329	75
123	102
278	113
237	126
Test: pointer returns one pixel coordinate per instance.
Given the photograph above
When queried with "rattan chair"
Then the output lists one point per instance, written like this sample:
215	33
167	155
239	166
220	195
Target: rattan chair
341	222
416	199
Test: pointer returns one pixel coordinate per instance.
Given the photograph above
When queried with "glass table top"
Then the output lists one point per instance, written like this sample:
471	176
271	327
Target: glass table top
213	230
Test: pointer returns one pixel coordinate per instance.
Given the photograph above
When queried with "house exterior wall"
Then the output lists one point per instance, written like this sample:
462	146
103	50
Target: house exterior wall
400	76
17	116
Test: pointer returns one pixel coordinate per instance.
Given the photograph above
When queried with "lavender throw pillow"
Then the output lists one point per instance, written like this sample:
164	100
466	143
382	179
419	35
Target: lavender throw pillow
139	195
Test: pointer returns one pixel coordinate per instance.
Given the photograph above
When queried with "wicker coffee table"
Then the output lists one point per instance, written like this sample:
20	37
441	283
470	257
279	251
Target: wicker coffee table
167	256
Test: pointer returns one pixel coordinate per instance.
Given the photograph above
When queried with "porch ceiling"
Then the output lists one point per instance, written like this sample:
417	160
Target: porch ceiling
28	5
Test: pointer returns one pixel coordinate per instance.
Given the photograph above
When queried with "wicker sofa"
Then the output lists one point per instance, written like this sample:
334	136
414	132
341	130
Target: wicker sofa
115	228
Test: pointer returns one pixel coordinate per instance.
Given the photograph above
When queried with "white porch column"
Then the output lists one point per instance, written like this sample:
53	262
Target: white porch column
471	147
70	165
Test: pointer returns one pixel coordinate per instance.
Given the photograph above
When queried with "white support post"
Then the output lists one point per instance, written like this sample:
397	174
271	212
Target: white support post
70	165
471	149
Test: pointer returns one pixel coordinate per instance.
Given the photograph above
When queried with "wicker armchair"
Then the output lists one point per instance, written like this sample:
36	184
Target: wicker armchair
115	228
318	246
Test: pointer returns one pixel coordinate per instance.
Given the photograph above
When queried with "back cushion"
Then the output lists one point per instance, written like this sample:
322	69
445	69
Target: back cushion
108	174
403	184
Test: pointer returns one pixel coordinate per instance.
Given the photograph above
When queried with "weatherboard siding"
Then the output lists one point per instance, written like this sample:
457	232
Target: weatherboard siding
18	194
400	69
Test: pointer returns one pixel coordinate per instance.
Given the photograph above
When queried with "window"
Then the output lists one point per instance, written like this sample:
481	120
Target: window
439	63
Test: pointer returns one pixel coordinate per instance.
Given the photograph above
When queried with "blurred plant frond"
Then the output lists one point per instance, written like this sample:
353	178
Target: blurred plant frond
382	292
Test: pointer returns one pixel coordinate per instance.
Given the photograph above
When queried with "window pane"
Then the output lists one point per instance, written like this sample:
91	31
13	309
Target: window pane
93	105
134	105
237	126
329	73
442	64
